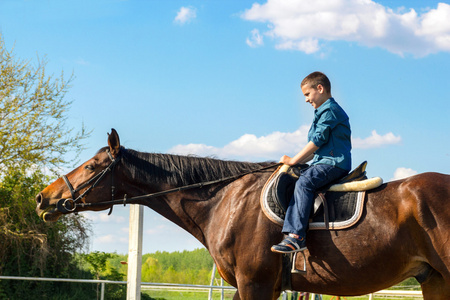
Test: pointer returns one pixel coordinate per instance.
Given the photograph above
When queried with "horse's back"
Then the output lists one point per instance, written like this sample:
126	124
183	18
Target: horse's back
430	179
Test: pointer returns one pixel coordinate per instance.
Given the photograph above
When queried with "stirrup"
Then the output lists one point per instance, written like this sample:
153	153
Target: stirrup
293	258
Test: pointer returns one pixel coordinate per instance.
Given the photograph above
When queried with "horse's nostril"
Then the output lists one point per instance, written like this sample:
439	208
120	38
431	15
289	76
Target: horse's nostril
38	198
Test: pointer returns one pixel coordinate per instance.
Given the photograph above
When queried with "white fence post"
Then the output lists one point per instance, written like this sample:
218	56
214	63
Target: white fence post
102	293
135	252
213	275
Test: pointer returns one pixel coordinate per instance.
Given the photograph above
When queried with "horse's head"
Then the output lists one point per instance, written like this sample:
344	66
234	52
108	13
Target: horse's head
86	184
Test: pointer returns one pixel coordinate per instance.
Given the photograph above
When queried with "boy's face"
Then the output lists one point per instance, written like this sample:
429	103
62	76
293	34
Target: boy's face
315	96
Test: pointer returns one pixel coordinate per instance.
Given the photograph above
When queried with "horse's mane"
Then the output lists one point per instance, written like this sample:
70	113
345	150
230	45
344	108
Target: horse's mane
179	170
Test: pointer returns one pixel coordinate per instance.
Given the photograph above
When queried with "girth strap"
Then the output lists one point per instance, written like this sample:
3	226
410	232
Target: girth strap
325	210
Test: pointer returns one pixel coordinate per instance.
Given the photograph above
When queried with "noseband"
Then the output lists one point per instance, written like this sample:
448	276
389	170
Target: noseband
70	204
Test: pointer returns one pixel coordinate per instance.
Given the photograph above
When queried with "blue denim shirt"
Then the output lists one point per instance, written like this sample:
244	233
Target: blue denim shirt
330	131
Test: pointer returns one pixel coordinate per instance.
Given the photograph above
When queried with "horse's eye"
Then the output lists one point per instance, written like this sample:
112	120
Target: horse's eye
89	167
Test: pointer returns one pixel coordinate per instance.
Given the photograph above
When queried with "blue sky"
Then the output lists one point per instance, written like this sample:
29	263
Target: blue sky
222	78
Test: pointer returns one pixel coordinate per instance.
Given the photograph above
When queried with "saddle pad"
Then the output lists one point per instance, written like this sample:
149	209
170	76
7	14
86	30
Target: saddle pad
344	208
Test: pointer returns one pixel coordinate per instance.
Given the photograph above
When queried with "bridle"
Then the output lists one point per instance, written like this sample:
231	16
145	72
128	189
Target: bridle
71	204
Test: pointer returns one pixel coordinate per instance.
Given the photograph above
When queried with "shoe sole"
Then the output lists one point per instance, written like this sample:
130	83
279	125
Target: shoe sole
288	251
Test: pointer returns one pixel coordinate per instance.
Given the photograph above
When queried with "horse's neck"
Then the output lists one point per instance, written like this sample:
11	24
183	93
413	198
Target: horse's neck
190	210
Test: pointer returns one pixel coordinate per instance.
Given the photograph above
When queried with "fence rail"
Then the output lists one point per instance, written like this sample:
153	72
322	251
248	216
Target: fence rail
185	286
104	282
398	293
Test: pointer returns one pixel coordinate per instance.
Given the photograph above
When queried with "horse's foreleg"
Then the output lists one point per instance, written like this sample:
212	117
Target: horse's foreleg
435	287
255	293
236	296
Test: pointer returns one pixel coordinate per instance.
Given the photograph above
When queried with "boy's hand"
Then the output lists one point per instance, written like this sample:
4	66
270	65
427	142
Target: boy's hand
286	160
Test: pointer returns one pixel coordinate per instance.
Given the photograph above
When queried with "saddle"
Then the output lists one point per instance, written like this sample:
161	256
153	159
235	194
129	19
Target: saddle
338	205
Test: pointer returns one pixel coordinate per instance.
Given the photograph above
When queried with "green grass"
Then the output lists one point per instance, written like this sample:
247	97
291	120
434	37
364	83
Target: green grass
325	297
187	294
203	295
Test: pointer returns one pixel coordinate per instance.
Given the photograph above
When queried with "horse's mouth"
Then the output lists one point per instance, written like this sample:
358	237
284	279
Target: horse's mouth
50	214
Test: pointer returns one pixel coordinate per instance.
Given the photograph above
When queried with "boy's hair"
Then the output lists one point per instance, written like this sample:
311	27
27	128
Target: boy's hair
316	78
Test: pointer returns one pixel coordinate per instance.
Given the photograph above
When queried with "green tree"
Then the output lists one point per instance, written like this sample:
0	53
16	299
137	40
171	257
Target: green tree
151	270
34	136
30	247
97	263
101	266
33	115
189	267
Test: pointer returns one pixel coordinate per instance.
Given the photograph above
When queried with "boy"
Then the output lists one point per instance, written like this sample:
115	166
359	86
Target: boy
328	146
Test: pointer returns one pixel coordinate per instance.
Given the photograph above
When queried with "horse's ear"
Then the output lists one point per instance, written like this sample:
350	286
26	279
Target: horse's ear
114	142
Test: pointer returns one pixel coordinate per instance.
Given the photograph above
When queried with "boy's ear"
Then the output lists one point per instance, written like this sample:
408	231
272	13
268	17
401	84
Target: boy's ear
320	88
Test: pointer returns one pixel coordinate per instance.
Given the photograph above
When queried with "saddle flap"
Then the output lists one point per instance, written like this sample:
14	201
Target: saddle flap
283	189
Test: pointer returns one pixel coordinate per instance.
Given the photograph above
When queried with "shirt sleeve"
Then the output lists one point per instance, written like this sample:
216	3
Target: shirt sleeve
326	123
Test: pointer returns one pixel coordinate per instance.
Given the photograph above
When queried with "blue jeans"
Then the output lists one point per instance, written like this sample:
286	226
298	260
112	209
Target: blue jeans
300	206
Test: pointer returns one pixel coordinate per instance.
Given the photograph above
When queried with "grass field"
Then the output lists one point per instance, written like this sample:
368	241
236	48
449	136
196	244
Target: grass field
203	295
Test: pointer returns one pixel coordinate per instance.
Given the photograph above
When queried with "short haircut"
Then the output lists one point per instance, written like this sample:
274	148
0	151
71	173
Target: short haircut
316	78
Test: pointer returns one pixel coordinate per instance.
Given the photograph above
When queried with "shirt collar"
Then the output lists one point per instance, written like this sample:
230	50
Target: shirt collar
324	106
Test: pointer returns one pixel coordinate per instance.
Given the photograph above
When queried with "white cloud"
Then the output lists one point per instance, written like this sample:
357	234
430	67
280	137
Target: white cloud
82	62
185	15
111	218
255	40
401	173
249	146
106	239
90	215
274	145
112	239
308	45
376	140
103	217
156	230
300	25
166	228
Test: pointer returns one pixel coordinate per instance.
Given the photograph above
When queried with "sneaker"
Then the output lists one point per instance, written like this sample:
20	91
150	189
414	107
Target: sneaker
290	245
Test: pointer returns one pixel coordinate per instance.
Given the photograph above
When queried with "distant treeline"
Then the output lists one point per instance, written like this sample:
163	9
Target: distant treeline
185	267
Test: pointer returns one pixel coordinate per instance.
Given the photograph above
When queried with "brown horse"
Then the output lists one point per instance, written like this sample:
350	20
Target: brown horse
404	230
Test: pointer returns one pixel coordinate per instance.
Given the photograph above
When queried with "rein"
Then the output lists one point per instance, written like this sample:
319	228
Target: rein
70	205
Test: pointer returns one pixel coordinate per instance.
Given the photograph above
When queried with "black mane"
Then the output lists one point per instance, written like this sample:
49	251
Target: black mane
179	170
